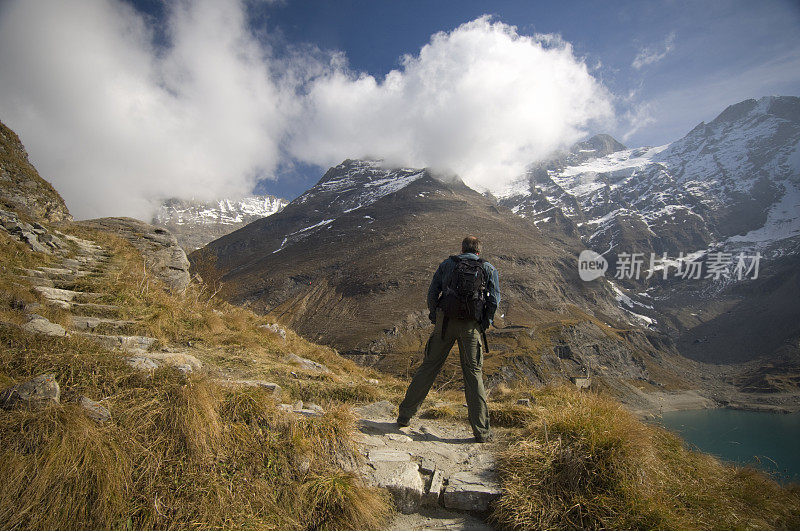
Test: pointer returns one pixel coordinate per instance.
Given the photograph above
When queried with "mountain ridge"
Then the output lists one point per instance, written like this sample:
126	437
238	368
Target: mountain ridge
196	223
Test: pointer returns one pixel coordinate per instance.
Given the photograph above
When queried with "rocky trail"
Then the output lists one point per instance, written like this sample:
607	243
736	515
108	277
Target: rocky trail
88	315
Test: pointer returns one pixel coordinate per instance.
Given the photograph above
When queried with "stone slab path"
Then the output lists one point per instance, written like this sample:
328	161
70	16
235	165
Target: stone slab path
439	476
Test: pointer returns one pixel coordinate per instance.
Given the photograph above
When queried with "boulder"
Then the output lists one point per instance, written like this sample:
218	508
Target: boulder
37	393
33	242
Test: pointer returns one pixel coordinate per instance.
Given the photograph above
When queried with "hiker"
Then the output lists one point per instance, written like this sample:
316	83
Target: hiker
462	300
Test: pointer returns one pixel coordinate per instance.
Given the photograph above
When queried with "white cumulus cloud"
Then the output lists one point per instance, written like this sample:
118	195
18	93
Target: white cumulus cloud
481	101
118	124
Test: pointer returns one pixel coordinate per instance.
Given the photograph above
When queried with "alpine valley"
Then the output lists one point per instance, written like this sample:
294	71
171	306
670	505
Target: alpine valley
348	264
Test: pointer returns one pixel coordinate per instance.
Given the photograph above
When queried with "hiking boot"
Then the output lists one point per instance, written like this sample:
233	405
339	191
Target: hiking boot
484	438
403	422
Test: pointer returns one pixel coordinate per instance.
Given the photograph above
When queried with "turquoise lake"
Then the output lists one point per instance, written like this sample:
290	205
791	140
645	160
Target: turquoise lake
770	441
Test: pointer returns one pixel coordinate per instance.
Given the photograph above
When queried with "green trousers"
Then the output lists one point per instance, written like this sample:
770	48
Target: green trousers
468	335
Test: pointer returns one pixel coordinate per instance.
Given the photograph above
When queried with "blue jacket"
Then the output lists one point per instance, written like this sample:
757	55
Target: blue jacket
442	277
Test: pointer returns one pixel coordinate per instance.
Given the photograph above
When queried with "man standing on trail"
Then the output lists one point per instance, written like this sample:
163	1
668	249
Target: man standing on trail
462	300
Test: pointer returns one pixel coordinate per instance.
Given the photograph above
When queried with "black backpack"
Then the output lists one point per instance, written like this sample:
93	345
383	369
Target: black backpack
465	294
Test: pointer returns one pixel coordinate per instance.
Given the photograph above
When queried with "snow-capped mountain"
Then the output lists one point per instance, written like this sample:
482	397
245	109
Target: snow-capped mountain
195	223
735	180
351	185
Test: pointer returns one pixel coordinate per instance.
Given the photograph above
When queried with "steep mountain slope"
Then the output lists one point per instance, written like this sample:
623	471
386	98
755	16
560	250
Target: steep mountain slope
729	186
21	187
348	263
196	223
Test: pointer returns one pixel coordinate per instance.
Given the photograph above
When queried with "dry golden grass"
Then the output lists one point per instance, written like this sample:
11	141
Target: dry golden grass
179	451
585	463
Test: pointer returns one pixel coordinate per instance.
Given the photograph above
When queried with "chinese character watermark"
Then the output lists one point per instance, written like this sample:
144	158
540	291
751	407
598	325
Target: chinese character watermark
716	266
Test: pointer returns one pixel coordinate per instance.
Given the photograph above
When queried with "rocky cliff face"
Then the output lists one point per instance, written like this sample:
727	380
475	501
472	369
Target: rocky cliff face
195	223
21	188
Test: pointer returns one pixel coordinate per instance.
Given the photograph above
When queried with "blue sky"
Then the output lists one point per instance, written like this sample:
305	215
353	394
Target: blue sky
209	98
719	55
714	42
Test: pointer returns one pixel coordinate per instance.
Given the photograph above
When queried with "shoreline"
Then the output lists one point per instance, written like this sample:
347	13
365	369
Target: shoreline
651	405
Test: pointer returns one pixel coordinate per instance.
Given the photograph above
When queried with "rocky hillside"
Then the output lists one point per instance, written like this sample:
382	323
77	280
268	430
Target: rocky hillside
196	223
21	187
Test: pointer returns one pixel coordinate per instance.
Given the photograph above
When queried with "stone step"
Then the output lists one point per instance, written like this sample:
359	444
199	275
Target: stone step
37	281
402	480
72	263
182	361
469	491
89	308
88	323
134	344
148	361
54	273
57	270
67	295
40	325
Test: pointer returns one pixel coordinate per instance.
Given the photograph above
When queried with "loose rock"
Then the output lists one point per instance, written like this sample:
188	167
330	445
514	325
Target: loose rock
95	410
35	394
307	364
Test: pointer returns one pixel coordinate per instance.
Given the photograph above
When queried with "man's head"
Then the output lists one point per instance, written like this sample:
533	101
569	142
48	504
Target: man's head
471	244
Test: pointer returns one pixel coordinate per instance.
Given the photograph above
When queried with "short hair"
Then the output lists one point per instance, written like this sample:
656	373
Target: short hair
471	244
